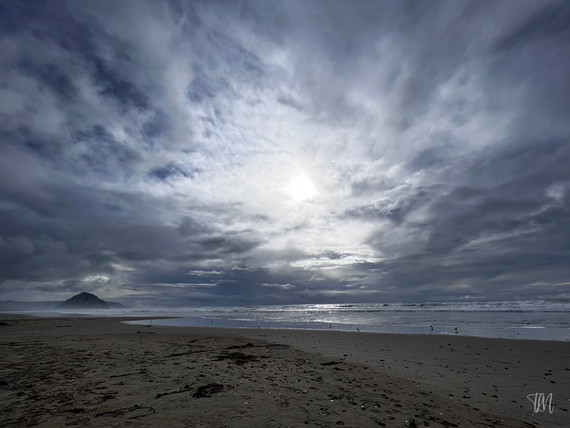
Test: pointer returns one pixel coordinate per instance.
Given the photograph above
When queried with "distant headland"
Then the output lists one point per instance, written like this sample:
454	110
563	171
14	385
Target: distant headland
79	301
87	301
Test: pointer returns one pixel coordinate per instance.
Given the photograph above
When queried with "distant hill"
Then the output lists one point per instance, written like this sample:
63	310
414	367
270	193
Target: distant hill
79	301
87	301
84	301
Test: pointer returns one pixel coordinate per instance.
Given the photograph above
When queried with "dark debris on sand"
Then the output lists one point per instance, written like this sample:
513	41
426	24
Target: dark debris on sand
238	358
208	390
247	345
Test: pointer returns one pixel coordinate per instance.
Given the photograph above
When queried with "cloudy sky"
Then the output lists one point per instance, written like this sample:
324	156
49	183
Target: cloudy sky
204	152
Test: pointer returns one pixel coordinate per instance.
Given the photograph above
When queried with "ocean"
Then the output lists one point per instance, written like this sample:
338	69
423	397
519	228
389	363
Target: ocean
534	320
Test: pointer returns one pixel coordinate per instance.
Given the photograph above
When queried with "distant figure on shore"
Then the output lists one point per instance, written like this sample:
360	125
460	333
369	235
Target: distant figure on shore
431	327
358	329
456	332
330	325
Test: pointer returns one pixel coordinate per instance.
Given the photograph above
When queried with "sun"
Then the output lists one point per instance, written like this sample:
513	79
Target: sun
301	188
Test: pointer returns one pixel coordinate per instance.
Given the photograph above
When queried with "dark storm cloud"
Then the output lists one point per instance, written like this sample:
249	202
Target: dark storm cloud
164	172
54	22
550	22
503	222
147	150
58	230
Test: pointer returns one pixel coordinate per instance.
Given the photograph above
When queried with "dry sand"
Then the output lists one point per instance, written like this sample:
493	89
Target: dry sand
101	372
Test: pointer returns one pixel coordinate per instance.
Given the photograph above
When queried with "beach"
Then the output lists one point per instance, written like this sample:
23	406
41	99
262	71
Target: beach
101	372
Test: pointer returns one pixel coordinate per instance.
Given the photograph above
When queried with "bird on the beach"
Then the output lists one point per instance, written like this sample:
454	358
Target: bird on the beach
357	329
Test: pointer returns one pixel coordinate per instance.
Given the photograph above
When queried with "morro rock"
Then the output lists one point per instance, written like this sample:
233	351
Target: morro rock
84	301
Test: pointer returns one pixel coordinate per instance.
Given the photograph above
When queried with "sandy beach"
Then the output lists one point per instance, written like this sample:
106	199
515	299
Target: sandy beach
102	372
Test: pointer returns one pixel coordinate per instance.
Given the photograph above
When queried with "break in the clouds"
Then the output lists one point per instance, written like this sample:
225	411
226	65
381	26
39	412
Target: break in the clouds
181	153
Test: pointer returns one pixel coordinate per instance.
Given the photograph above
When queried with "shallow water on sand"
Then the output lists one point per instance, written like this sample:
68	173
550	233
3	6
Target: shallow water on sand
542	320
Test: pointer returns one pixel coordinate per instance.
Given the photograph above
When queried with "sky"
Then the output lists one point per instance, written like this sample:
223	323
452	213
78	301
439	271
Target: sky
179	153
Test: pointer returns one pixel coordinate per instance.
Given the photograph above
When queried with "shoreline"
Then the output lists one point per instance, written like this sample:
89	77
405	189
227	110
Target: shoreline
286	377
239	328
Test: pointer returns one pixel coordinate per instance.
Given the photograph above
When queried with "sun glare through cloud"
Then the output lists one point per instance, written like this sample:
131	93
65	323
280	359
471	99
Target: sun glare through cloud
301	188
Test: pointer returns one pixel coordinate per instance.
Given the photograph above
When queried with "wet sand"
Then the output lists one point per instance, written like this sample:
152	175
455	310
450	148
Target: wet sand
101	372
